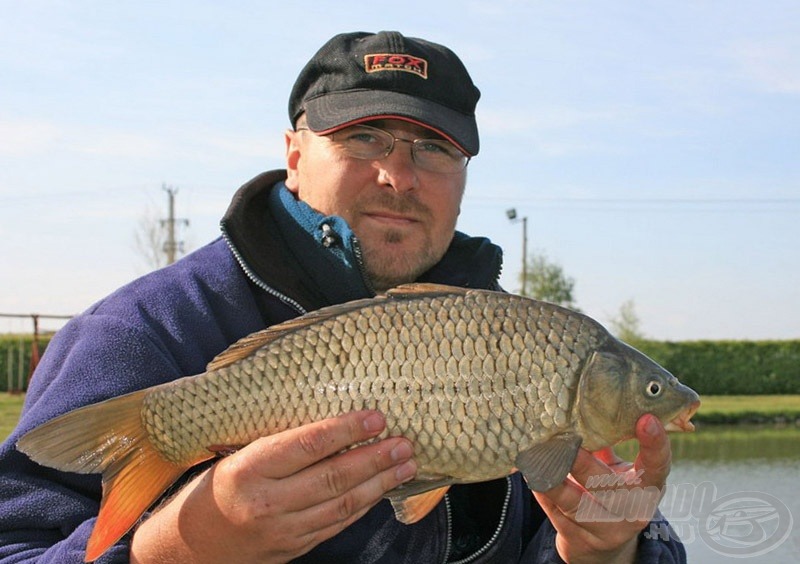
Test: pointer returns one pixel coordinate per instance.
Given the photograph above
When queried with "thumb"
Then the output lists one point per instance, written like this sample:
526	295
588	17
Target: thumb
655	453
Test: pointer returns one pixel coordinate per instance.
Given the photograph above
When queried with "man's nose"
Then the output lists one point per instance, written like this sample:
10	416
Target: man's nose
397	170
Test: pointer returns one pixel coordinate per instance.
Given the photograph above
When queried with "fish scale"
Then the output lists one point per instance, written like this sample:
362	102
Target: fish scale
481	383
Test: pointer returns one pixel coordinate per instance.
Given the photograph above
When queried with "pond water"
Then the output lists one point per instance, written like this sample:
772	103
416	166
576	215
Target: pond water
733	494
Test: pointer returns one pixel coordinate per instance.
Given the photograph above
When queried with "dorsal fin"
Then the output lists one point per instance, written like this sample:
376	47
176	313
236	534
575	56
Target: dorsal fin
423	289
245	346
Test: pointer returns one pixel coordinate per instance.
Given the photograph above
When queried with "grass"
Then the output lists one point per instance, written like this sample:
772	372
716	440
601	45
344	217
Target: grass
755	409
714	409
738	404
10	408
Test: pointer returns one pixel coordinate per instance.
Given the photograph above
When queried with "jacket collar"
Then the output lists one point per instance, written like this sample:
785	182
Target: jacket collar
285	246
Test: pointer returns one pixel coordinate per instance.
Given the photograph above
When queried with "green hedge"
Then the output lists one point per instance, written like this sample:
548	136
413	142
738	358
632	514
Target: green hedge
15	367
731	367
710	367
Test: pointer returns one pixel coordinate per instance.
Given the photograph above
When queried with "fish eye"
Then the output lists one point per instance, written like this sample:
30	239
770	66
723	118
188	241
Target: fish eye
653	389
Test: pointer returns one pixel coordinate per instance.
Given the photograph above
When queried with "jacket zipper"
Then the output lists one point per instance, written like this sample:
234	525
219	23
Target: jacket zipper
448	546
255	279
361	268
485	548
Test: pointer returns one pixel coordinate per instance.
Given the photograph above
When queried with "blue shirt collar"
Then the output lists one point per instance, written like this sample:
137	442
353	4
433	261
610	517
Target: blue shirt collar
329	250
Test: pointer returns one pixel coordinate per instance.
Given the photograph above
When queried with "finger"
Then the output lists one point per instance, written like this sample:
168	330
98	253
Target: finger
312	523
592	534
613	460
592	472
655	454
567	495
337	512
288	452
328	520
381	466
608	456
588	473
562	520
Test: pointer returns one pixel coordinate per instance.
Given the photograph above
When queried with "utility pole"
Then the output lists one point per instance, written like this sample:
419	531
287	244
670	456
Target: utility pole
171	246
511	214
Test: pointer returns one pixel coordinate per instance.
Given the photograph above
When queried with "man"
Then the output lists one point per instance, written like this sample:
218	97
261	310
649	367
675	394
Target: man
376	164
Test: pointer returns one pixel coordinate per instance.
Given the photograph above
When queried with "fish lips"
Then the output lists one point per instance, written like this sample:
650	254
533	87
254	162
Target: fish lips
681	422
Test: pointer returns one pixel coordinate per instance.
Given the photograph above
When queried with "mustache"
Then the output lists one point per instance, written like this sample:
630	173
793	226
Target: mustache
406	204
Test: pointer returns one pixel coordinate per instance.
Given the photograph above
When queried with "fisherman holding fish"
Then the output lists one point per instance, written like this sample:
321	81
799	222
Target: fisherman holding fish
222	467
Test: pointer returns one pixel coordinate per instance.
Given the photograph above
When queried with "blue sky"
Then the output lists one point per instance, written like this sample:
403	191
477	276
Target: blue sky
653	146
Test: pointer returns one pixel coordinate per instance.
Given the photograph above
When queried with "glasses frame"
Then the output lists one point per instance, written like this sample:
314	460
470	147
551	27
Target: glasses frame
389	135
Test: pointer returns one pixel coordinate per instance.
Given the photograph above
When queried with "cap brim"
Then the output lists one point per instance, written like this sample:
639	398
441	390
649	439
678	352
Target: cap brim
338	109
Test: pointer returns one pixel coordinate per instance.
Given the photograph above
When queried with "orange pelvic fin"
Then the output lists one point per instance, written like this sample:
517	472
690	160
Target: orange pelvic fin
411	509
107	438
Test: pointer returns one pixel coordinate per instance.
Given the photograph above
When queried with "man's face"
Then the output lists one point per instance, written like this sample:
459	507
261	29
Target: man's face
403	216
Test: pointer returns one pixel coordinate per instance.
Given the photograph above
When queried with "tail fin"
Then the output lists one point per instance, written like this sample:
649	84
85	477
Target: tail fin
107	438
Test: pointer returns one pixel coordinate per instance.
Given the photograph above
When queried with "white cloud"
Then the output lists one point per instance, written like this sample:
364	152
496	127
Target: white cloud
557	131
21	138
107	143
269	146
771	65
32	138
497	121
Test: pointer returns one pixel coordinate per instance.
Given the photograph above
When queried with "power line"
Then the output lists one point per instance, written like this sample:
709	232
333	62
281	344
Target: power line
669	201
658	205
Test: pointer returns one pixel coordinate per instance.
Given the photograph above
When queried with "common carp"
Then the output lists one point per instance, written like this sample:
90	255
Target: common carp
481	382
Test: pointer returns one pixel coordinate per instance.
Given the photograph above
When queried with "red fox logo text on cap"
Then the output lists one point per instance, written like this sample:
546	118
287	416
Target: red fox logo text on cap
396	62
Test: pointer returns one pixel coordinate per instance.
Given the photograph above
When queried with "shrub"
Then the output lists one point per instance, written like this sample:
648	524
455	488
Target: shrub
15	358
731	367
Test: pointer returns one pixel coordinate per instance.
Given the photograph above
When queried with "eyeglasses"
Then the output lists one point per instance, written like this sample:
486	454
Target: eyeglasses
371	143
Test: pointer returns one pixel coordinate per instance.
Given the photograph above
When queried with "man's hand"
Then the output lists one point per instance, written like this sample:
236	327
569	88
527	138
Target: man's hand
598	524
280	496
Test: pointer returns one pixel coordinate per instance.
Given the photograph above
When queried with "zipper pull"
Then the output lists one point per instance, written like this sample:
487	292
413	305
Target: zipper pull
328	236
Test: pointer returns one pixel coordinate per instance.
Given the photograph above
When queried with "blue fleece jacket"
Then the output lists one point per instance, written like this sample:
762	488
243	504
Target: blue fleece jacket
275	261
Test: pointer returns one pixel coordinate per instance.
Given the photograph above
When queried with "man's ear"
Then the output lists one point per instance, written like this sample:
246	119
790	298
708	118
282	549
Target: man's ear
292	139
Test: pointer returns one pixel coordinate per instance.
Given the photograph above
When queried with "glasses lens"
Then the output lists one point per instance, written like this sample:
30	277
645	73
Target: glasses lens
438	156
364	142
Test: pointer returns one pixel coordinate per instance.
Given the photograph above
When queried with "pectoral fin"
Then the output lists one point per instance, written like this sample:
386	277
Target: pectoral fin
545	465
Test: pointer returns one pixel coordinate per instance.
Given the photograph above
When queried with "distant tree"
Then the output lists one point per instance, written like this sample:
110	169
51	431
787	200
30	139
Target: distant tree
547	281
149	239
152	236
626	324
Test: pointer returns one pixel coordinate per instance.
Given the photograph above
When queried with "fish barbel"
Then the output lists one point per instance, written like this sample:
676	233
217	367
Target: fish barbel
481	382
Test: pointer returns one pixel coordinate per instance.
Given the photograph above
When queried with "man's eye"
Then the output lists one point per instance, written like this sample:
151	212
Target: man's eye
362	138
436	148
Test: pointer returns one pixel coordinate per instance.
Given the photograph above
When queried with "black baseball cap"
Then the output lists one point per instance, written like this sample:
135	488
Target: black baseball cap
356	77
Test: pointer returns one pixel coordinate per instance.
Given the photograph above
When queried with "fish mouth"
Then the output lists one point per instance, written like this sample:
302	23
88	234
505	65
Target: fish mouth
681	422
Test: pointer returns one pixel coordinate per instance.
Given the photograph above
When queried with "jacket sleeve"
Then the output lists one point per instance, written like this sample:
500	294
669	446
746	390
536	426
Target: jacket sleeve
661	548
163	326
47	515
